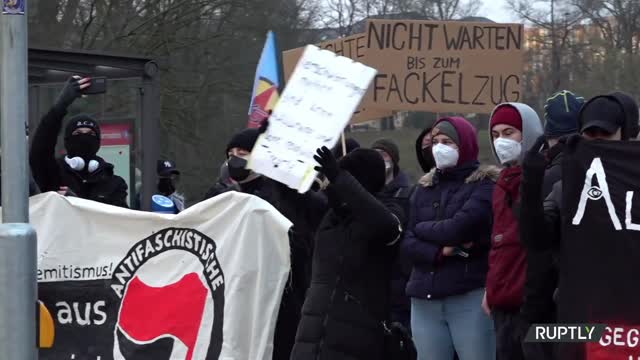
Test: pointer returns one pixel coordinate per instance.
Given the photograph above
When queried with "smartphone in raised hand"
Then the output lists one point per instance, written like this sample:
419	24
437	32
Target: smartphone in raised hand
98	86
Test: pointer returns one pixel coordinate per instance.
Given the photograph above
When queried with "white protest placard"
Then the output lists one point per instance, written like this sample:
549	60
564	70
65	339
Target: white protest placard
318	102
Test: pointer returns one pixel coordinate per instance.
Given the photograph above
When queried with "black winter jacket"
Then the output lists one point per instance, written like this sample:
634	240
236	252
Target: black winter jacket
349	293
51	173
305	211
542	271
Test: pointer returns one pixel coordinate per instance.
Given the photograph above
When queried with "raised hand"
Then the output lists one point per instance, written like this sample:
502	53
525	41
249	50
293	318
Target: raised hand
72	90
328	163
535	162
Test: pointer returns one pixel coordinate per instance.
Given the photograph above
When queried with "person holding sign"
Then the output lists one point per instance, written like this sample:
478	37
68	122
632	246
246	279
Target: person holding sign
607	120
447	240
305	211
514	128
349	295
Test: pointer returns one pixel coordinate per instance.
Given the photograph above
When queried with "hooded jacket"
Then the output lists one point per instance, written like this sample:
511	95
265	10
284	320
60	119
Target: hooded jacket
451	208
50	173
508	258
425	165
348	297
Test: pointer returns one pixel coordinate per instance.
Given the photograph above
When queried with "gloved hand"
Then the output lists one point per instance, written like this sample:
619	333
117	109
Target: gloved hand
534	162
328	164
264	126
71	91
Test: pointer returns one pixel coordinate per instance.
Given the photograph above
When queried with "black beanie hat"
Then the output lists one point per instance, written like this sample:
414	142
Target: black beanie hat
244	140
81	121
388	146
367	166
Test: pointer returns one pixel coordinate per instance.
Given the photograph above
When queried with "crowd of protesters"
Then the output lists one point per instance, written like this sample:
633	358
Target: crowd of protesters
463	262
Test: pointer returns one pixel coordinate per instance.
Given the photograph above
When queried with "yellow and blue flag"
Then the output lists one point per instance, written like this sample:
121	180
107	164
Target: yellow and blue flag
267	84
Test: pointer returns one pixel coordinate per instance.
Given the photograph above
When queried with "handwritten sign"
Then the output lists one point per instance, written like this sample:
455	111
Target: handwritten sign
354	47
317	103
458	67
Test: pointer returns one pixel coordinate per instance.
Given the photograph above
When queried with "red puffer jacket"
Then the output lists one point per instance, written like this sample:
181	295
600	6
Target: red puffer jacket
507	258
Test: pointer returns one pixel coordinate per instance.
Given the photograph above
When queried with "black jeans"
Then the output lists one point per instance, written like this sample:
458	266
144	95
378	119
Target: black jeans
511	330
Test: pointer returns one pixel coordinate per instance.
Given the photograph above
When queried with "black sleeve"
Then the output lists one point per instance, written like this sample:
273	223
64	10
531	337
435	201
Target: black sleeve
217	189
539	219
551	176
366	209
119	195
316	205
42	158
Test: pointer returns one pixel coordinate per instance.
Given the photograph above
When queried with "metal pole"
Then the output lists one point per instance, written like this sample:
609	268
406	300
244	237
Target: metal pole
13	97
18	245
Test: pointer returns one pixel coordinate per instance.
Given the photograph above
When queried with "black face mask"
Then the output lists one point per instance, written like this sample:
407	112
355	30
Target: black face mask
166	186
85	146
427	155
237	169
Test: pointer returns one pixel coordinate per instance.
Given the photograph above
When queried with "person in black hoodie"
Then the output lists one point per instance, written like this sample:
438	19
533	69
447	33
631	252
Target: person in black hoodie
605	117
305	211
81	172
423	151
349	294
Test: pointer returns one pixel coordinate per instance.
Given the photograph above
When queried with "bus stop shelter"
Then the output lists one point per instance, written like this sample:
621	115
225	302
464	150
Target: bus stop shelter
129	112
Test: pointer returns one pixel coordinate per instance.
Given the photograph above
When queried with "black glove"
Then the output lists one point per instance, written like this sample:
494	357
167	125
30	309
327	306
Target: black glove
69	93
534	163
264	126
328	164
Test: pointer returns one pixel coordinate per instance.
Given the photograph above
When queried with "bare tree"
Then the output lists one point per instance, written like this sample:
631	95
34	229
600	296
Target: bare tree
554	23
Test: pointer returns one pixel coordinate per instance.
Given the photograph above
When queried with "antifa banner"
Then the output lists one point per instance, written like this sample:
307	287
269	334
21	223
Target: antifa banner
202	285
601	248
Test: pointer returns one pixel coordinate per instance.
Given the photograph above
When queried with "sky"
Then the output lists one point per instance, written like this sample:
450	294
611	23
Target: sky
496	11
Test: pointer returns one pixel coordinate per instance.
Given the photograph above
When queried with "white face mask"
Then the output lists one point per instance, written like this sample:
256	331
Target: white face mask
445	156
507	150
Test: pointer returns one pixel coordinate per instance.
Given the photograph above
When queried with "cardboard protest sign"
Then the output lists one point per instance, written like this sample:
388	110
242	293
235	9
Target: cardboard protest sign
124	284
451	66
600	248
316	105
353	47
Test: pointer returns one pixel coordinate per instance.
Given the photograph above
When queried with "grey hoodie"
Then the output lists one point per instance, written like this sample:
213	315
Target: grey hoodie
531	128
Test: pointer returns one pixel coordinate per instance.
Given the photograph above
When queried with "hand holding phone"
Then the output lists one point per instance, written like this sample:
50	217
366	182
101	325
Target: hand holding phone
98	85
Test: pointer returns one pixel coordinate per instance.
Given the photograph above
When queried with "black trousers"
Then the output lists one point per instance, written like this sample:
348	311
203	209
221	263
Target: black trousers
511	330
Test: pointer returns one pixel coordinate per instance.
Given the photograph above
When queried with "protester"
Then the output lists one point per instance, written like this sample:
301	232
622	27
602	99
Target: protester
561	116
305	211
514	128
601	118
349	296
81	172
448	239
168	177
398	192
223	184
423	151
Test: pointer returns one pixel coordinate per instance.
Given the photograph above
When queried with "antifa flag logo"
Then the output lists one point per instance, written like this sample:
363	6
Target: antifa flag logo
172	299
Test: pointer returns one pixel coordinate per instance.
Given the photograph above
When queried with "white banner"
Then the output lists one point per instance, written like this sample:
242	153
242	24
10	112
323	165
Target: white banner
318	102
122	284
